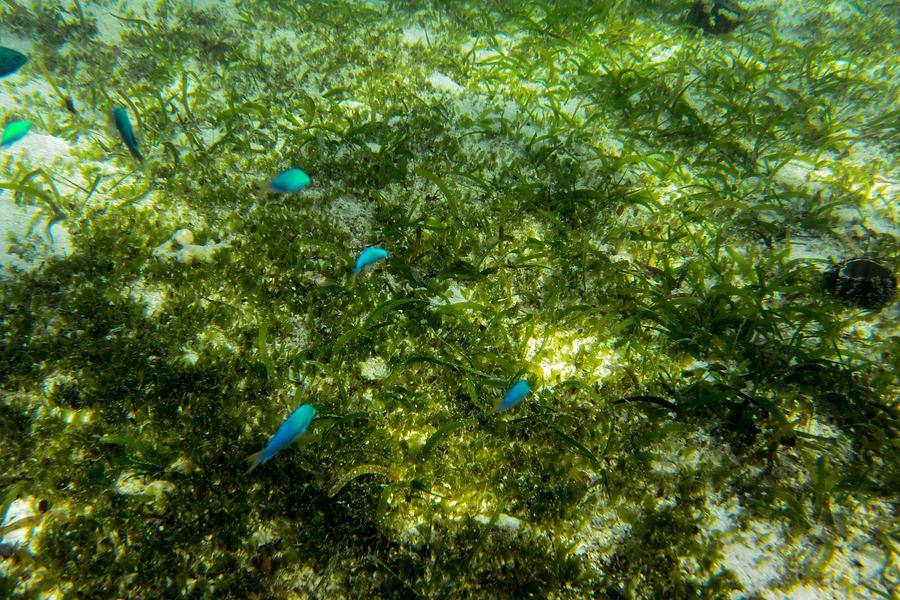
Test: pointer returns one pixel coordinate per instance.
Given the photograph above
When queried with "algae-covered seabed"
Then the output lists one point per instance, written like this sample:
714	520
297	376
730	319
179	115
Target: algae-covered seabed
631	214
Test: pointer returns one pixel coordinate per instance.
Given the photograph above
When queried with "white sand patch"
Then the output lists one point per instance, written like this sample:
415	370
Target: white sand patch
16	42
764	557
110	28
40	149
153	297
25	241
755	554
442	83
505	523
415	35
24	89
663	53
601	536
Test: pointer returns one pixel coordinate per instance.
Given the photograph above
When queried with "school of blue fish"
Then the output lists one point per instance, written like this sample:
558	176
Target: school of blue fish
289	181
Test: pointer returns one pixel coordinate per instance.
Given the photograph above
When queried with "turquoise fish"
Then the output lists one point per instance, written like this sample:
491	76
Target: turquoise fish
515	395
287	182
294	426
10	61
369	256
123	124
13	132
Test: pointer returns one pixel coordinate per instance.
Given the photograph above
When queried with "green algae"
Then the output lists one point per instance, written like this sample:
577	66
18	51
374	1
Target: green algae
521	240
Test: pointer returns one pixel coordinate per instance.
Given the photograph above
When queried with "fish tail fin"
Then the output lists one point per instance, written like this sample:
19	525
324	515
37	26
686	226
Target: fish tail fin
255	460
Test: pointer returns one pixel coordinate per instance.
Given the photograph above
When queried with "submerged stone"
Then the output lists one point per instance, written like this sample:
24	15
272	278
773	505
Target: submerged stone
715	16
861	282
182	248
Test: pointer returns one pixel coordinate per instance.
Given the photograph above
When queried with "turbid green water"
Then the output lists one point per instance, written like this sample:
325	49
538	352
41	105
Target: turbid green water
628	212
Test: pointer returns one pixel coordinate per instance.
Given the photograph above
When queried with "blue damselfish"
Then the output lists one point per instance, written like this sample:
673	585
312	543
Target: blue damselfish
287	182
10	61
13	132
123	124
295	426
369	256
515	395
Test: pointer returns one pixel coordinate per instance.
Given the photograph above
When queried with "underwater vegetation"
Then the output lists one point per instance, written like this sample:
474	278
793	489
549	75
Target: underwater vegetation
599	201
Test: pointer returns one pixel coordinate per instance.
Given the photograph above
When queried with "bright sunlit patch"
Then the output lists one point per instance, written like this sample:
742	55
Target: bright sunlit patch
374	369
21	523
567	356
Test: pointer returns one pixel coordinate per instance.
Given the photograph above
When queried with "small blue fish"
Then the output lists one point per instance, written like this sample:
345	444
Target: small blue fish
13	132
287	182
10	61
368	256
294	427
515	395
123	124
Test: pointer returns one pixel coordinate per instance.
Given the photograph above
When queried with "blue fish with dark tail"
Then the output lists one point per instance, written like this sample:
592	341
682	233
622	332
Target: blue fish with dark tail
295	426
123	124
10	61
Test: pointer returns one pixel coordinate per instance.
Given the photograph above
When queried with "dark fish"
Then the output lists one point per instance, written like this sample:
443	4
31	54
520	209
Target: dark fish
10	61
69	105
123	124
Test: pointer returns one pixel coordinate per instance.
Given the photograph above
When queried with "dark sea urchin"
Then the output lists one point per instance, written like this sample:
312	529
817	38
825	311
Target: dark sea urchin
861	282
